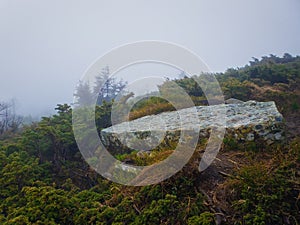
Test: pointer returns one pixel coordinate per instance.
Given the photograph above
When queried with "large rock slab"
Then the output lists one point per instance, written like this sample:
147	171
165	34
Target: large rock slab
245	121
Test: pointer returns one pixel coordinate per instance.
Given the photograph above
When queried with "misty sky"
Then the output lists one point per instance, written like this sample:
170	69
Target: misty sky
45	46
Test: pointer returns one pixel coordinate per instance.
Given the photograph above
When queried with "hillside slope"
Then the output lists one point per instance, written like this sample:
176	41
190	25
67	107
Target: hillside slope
44	179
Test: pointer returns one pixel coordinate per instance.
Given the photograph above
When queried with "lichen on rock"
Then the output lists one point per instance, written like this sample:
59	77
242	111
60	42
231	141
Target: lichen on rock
249	121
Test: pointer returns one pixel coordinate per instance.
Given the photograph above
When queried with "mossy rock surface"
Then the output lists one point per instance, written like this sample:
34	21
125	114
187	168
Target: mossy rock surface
245	122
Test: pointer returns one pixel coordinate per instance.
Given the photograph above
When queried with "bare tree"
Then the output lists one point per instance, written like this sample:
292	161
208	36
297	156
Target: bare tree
9	121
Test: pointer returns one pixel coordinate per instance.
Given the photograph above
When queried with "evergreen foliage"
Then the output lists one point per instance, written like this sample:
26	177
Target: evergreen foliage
44	180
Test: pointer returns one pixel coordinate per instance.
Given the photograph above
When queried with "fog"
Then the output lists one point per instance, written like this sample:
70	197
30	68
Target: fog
45	46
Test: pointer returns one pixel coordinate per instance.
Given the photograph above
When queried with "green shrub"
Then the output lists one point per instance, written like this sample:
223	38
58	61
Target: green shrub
205	218
265	195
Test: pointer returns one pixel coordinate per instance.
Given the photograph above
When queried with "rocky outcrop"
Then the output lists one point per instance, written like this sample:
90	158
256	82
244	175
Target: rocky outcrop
245	122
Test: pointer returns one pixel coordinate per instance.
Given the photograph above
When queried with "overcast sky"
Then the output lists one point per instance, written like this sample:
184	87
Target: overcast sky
45	46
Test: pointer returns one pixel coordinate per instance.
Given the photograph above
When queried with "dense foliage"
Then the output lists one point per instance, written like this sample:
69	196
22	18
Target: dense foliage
44	180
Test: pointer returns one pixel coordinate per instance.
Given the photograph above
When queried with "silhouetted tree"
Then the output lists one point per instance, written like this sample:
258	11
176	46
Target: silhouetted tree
106	87
83	94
